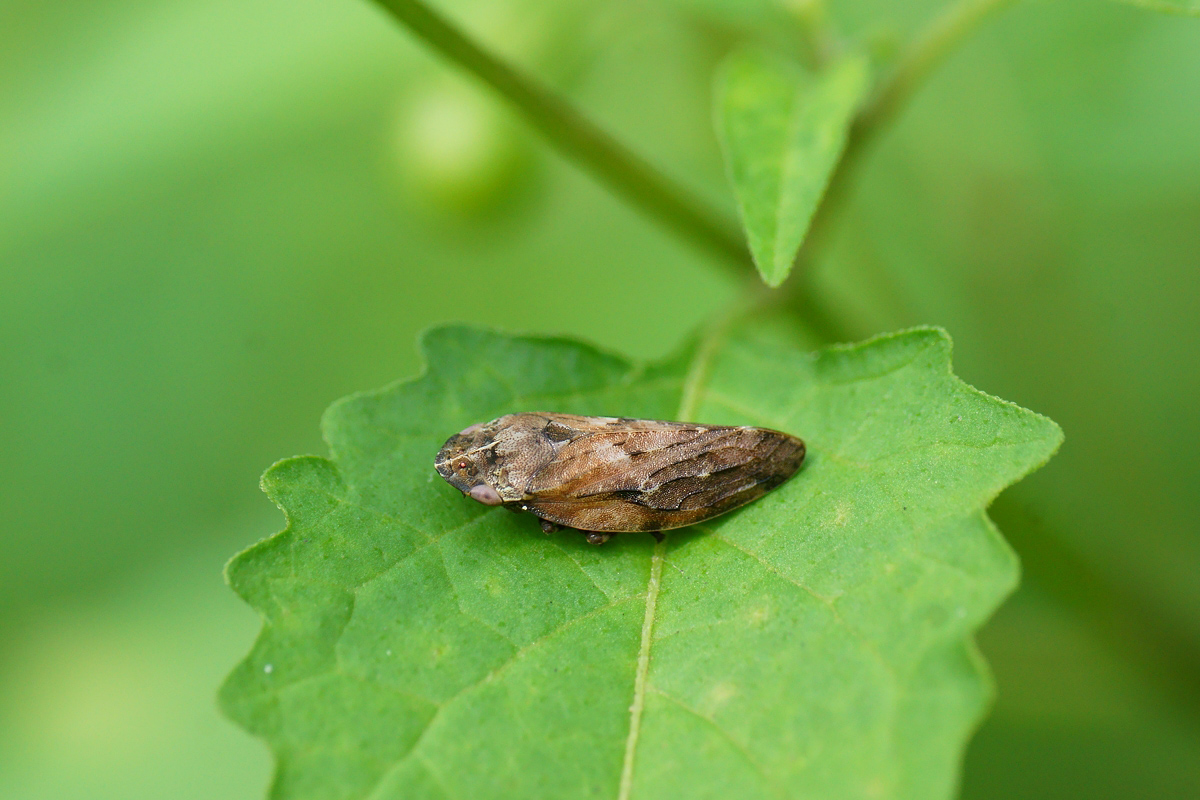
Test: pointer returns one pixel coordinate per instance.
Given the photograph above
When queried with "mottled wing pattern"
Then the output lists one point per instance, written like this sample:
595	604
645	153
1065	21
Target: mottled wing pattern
638	475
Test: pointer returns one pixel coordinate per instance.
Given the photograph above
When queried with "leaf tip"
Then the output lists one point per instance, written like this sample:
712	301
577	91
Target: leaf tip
776	274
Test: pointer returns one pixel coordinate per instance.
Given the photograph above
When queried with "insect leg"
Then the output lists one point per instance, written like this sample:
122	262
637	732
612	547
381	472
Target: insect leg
596	537
549	527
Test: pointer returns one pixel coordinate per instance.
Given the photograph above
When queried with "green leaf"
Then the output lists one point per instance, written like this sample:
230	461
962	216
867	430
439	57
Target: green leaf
1189	8
813	644
782	133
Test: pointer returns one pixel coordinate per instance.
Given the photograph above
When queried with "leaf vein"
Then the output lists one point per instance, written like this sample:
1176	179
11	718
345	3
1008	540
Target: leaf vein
866	643
741	748
495	673
643	668
586	574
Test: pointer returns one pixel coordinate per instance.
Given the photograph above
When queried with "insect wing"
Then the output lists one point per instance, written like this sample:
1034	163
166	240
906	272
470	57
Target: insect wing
654	475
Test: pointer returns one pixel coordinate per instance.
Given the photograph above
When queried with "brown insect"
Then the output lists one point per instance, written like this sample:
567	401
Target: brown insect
606	475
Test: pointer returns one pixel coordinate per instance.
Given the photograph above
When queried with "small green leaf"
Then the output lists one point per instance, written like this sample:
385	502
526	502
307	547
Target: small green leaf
813	644
1189	8
782	132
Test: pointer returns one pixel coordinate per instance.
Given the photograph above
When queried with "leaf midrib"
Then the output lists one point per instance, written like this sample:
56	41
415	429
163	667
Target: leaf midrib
643	669
788	169
693	382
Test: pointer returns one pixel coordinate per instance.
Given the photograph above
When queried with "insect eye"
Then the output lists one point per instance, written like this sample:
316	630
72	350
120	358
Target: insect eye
461	465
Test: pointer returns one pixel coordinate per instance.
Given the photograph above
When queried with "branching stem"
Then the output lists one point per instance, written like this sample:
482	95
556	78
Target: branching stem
634	178
942	35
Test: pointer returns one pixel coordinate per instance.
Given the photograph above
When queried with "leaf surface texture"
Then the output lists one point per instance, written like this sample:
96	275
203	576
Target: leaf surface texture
814	644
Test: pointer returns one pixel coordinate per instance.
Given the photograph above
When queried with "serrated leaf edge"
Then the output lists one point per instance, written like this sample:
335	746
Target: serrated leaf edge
939	338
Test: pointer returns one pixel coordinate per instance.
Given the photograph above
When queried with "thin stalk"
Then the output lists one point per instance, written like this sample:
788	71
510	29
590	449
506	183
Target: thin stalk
818	37
614	164
1117	612
941	37
943	34
629	175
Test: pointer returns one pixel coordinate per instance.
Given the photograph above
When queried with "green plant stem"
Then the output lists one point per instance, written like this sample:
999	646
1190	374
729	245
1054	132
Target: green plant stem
622	170
1116	612
943	34
1164	648
818	36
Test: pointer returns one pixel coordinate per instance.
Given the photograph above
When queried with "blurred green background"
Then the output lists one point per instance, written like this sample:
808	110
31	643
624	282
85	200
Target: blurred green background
217	218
